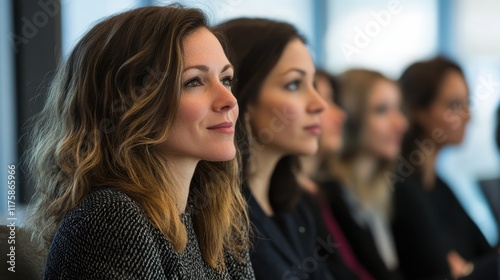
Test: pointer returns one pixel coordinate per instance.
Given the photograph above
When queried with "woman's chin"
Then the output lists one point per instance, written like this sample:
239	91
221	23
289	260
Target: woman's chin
222	154
307	150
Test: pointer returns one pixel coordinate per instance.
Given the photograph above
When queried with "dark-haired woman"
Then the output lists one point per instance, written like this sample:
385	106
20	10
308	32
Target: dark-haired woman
279	120
434	235
134	155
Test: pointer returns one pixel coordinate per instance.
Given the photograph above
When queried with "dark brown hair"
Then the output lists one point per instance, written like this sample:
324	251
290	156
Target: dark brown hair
255	46
420	84
333	82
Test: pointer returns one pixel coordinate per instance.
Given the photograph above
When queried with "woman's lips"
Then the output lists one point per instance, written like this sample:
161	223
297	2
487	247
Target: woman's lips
314	129
224	127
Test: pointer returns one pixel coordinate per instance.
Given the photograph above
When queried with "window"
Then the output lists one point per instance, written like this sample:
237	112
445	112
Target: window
385	35
8	146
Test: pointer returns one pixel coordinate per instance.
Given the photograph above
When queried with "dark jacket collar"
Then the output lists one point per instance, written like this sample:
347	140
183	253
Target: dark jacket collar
265	229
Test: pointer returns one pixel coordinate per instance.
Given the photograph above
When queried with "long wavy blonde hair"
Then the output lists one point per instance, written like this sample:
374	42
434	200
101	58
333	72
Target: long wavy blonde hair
109	107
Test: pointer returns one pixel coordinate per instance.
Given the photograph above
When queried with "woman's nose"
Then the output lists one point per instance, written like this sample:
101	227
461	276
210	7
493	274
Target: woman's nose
317	103
225	99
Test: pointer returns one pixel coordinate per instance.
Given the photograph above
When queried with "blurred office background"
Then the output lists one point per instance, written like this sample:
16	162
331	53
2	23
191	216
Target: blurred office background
385	35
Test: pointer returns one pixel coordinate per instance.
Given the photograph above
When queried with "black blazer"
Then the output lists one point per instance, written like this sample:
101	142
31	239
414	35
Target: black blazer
421	244
335	263
286	249
428	224
360	239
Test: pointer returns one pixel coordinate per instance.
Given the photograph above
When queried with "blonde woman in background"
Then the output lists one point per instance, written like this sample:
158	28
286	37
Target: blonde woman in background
355	180
343	264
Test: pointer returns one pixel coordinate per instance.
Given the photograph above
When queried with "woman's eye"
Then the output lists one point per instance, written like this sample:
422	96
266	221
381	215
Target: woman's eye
293	86
381	109
227	82
455	105
195	82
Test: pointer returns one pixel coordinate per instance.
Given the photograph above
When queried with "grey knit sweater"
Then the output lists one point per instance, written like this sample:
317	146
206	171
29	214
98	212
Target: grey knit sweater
109	236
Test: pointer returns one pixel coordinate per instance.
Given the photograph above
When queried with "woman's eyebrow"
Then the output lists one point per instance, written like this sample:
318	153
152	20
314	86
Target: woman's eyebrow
301	72
228	66
205	68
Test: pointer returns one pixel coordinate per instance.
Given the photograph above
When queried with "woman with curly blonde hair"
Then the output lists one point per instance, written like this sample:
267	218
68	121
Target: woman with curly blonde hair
134	159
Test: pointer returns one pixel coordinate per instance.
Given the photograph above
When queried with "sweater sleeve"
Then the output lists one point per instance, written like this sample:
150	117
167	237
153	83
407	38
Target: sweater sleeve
105	239
237	270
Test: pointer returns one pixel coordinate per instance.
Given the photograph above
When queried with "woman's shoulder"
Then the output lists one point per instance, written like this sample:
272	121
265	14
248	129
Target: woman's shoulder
102	197
410	183
239	269
107	211
334	192
331	183
105	203
107	230
408	191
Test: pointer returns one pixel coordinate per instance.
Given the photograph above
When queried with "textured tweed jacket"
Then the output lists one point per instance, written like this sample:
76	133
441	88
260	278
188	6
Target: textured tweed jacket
109	236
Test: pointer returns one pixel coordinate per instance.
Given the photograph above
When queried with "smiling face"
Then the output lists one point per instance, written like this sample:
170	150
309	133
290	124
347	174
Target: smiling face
286	114
385	124
204	125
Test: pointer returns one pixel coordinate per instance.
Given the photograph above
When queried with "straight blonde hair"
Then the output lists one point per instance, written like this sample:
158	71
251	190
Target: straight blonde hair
375	192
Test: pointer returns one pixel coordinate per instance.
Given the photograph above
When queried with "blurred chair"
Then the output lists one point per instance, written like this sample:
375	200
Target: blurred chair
29	264
491	189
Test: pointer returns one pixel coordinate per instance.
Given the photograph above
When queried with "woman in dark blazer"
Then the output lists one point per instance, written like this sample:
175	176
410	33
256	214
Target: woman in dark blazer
279	120
435	237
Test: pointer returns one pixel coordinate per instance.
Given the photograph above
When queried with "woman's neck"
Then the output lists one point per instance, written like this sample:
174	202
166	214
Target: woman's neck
262	166
182	172
309	166
365	167
428	170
